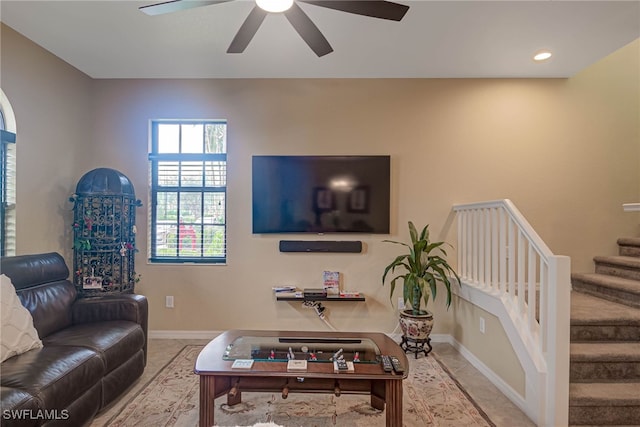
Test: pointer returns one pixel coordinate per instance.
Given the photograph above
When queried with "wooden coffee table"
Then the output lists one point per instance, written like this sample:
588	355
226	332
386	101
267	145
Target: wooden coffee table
218	378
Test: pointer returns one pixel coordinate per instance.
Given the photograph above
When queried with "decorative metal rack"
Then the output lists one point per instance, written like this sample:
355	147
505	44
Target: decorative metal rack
104	233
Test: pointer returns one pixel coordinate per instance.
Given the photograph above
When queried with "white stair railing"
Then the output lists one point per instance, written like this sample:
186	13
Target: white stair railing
500	255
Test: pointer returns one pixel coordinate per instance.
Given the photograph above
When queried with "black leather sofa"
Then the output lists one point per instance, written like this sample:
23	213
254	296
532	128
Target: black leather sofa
93	348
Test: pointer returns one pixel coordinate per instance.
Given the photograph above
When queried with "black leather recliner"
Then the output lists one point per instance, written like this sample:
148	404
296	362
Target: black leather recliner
94	348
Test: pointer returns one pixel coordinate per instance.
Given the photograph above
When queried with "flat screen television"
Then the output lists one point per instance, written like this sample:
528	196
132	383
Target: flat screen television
321	194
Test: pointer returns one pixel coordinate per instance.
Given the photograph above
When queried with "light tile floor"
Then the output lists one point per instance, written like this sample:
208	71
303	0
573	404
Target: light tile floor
500	409
495	404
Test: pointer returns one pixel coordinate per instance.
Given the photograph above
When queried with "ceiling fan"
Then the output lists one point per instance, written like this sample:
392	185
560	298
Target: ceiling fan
296	16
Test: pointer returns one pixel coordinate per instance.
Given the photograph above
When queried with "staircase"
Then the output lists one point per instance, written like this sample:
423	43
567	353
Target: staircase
605	340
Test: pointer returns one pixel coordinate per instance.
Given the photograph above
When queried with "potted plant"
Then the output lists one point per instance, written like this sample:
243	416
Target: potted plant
424	266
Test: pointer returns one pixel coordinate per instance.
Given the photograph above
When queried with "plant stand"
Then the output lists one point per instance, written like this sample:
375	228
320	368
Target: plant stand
415	346
416	329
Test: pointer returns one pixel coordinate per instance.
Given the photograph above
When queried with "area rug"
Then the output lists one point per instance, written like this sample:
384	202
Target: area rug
431	398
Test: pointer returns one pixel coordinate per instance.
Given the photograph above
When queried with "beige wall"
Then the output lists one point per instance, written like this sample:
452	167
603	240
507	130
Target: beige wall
491	347
607	99
603	135
565	152
450	140
52	104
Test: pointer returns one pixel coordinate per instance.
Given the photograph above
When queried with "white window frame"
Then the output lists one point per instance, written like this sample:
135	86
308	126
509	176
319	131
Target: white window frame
207	253
7	177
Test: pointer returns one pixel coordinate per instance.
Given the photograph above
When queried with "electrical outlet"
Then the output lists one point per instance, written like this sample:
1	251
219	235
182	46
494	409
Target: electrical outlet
168	301
400	303
482	325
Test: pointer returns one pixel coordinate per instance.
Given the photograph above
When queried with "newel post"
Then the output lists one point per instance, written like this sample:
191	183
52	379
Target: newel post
558	337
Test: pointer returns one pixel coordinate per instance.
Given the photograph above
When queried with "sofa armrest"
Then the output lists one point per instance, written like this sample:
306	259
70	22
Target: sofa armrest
130	307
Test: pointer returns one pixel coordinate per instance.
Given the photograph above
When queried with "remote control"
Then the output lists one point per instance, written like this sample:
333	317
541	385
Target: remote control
386	363
396	365
342	365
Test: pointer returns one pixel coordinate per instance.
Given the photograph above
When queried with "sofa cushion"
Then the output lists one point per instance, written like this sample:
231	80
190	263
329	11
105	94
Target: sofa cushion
130	307
18	334
116	340
17	406
40	281
50	306
56	375
82	410
117	381
32	270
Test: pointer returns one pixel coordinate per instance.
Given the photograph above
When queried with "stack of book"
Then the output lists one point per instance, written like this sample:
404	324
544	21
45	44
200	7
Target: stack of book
278	289
331	282
349	294
286	291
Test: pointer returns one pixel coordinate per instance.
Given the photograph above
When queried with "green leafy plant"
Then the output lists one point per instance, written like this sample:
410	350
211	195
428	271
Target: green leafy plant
425	264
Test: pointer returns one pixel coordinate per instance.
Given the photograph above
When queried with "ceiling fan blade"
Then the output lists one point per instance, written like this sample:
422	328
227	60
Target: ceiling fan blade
176	5
308	30
247	30
373	8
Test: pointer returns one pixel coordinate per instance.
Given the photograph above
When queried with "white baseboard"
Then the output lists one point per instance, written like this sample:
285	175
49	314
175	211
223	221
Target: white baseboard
500	384
194	335
445	338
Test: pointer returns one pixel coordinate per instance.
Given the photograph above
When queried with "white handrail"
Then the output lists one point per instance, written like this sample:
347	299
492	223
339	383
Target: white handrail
631	207
500	254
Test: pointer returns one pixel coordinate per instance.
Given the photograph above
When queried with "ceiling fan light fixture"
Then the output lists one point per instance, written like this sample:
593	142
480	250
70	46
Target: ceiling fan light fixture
274	6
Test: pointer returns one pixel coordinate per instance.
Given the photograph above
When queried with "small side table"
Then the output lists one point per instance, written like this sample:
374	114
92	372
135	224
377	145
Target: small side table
415	346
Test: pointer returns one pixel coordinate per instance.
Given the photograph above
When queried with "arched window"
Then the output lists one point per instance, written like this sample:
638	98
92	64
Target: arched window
7	177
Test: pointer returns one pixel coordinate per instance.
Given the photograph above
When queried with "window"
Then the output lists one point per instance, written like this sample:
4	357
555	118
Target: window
7	181
188	162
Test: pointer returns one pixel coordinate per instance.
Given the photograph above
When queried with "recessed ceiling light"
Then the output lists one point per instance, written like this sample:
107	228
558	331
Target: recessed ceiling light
274	5
542	55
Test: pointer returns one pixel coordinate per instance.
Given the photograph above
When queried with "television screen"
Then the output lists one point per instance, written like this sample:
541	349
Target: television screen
321	194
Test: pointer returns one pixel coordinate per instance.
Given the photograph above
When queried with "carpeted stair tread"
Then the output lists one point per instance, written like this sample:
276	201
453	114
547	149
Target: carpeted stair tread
614	288
621	283
588	310
621	265
608	394
629	241
618	260
612	281
629	246
605	352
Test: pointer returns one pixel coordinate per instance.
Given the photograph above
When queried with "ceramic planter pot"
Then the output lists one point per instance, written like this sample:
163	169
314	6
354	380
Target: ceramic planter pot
416	326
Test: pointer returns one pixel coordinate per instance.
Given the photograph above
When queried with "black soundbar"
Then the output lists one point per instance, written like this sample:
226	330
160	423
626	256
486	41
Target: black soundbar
352	246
